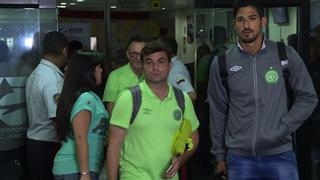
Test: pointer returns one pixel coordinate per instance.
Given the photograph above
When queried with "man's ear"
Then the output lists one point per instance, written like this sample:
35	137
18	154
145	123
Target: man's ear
127	54
65	51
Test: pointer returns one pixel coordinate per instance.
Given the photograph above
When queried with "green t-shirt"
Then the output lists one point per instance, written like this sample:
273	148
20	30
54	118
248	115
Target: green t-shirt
66	161
146	151
119	80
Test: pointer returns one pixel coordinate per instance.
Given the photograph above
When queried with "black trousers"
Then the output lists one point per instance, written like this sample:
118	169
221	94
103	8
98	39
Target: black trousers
40	156
13	164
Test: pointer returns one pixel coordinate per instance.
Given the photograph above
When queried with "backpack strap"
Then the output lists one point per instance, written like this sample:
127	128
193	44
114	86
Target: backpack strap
179	98
284	62
136	102
285	66
223	71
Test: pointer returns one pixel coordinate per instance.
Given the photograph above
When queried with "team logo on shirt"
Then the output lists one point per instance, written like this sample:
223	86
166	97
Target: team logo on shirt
177	114
271	76
147	111
56	98
235	68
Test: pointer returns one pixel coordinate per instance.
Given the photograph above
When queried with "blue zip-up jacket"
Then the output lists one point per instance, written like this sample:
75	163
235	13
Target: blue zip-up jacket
254	119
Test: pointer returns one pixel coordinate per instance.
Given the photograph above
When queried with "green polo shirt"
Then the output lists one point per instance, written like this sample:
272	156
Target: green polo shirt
119	80
146	152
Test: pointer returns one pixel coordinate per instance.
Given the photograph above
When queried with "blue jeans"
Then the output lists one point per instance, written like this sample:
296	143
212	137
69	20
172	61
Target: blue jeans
75	176
281	166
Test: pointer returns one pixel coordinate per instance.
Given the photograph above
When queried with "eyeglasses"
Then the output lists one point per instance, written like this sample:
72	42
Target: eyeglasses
134	54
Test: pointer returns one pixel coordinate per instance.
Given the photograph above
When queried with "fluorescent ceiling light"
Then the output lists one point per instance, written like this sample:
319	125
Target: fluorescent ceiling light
113	7
63	3
72	4
80	0
61	6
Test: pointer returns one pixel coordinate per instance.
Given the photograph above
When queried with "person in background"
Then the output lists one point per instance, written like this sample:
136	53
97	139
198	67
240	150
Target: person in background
202	51
205	159
142	149
314	123
43	89
179	75
219	46
13	116
74	46
293	41
125	76
251	123
81	121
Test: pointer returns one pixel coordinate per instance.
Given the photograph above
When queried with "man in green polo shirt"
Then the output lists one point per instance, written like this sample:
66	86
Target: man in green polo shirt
126	76
142	150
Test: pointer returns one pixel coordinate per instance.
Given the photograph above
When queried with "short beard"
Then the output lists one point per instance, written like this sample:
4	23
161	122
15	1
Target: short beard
163	80
250	40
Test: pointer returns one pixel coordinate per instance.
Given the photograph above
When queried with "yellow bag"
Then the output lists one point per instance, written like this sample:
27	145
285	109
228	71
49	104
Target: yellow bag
182	139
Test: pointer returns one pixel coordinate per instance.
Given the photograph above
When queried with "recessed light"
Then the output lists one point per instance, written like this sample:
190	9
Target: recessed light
113	7
163	8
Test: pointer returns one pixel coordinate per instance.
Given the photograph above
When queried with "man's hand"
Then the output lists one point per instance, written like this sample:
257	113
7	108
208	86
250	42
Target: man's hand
193	96
221	167
173	168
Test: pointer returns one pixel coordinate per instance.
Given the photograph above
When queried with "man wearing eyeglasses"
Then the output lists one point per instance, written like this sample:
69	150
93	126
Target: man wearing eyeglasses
127	75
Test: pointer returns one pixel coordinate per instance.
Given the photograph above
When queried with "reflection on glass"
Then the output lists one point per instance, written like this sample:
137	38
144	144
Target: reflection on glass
19	55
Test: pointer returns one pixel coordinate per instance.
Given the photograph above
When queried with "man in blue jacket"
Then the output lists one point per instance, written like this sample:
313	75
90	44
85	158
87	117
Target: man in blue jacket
251	124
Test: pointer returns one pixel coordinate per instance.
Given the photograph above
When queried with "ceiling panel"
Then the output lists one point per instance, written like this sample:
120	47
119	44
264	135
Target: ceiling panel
125	5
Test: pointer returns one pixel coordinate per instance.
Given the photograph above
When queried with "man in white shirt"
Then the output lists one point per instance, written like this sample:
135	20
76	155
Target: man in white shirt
42	93
178	75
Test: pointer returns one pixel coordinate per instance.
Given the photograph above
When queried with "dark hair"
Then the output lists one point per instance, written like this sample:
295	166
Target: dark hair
54	42
293	41
153	47
219	35
139	39
79	78
171	43
202	50
245	3
74	46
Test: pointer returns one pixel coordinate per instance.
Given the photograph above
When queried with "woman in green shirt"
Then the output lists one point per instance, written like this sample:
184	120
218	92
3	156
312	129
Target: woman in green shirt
81	121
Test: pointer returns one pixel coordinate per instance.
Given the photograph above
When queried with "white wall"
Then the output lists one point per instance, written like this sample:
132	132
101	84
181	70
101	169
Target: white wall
181	32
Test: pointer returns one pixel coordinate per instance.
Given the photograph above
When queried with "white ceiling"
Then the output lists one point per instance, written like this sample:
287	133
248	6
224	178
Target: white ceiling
125	5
